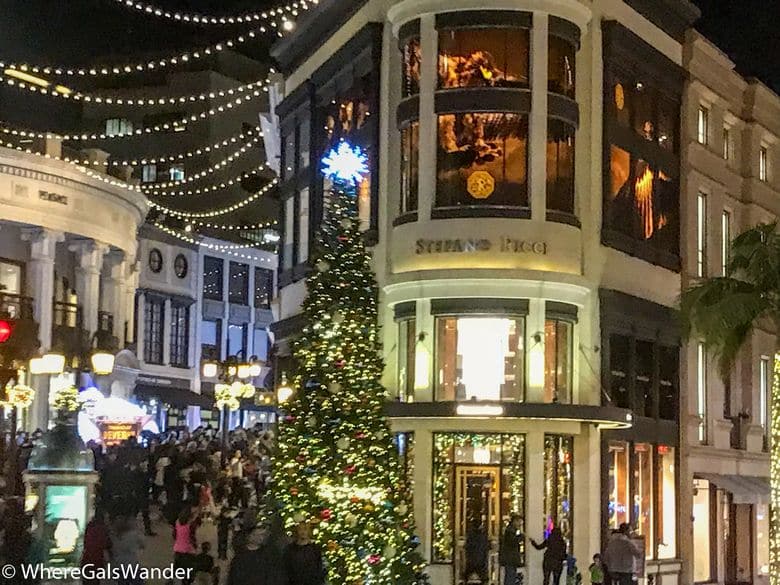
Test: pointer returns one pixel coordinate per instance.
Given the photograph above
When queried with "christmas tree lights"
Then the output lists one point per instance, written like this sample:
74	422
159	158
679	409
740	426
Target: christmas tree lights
337	467
774	476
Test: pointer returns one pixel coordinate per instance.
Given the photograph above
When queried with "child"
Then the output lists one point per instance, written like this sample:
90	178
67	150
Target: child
596	570
205	571
573	575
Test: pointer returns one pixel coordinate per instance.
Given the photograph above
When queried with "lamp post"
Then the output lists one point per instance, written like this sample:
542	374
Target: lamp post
233	385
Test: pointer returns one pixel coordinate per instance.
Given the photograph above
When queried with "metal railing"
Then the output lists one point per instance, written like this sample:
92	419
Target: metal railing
14	306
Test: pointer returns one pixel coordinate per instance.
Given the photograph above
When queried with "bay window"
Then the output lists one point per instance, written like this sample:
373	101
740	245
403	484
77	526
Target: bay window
480	358
558	344
483	57
410	68
482	160
410	168
560	66
407	348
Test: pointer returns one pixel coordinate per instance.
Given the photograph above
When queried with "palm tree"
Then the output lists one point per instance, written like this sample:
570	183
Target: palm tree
723	311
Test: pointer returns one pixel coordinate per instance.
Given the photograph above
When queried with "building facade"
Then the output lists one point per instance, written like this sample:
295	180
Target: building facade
68	252
523	209
729	136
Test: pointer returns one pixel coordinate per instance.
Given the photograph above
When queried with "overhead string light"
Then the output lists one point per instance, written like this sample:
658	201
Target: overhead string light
293	8
215	212
233	228
236	180
167	158
129	68
260	87
226	249
44	87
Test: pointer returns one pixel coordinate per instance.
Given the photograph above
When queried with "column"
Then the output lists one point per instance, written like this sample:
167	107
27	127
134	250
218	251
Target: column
537	128
89	262
40	283
423	490
131	285
535	329
428	121
534	521
113	298
423	380
225	306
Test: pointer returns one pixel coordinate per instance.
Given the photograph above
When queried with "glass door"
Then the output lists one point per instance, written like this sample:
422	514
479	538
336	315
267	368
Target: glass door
477	524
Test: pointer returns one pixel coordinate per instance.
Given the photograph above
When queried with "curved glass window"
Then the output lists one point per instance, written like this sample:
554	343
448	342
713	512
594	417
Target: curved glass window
480	358
411	67
558	343
482	160
410	169
652	114
560	167
483	57
560	66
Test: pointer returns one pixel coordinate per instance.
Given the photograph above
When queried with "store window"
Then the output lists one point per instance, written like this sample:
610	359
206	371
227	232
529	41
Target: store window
560	66
483	57
559	486
648	111
480	358
703	558
643	495
618	486
410	168
482	160
303	225
407	349
264	287
560	167
475	475
212	278
762	539
558	344
236	341
180	335
10	278
642	202
238	283
667	502
211	339
154	310
411	67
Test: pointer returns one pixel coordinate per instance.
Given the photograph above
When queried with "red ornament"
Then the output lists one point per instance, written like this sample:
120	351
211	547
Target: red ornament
326	514
294	491
340	363
5	331
360	435
354	500
349	470
374	559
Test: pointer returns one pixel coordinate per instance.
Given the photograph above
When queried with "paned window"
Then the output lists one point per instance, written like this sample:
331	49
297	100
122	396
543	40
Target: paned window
212	278
559	486
410	169
558	343
288	236
725	241
701	235
236	341
149	173
154	310
703	125
560	167
264	287
238	291
560	66
211	339
411	67
407	349
701	390
180	335
303	225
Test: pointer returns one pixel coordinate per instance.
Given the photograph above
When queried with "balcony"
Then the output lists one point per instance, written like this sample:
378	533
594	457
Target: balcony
23	343
14	306
68	335
106	339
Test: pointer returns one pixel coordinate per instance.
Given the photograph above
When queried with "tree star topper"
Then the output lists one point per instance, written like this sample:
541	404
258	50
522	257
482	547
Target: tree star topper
345	163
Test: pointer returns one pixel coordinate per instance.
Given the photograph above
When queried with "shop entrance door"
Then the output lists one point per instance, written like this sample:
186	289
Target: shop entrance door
477	524
739	549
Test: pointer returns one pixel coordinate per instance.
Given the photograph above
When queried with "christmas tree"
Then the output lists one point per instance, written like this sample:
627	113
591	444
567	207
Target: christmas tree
337	466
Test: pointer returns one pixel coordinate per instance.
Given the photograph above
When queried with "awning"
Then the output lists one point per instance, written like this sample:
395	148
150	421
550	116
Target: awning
745	489
173	396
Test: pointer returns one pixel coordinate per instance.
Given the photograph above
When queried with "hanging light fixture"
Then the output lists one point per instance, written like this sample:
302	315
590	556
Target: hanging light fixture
210	369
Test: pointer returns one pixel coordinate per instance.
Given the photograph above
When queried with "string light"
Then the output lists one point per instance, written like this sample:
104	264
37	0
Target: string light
216	212
176	125
207	189
218	247
211	169
204	19
230	227
65	93
109	70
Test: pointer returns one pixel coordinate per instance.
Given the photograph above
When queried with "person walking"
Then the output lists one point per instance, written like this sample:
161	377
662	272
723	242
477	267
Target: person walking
185	543
555	554
303	559
620	556
509	551
258	563
476	549
97	544
127	544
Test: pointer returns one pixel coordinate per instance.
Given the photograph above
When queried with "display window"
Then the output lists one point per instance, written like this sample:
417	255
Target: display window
559	486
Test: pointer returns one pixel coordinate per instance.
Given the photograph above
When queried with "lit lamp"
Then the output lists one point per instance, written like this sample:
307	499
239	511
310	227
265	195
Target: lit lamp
51	363
243	371
102	363
255	367
36	366
284	392
210	369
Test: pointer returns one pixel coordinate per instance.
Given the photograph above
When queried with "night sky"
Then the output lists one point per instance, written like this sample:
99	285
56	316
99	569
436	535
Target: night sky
77	31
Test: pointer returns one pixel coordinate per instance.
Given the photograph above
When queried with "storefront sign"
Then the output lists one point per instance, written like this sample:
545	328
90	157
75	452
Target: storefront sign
164	382
505	245
53	197
115	433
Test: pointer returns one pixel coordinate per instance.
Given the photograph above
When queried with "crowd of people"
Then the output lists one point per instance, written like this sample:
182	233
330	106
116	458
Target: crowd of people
180	482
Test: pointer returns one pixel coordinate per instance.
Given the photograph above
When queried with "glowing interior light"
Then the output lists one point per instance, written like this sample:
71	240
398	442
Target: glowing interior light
481	455
480	410
422	367
345	163
536	366
481	346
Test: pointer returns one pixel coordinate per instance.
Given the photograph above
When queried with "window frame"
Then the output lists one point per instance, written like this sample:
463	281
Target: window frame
702	395
703	125
216	296
763	163
266	276
702	229
154	330
238	297
180	335
725	240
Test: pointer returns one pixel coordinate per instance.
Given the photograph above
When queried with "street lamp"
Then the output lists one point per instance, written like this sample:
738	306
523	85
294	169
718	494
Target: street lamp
284	392
102	363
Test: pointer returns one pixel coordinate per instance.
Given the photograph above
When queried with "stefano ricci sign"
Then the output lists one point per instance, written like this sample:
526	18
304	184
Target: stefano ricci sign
503	245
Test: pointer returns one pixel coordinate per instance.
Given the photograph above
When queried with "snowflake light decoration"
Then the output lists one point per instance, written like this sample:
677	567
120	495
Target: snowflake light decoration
345	163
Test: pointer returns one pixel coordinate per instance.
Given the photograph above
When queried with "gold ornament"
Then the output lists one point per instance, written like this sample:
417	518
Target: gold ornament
481	184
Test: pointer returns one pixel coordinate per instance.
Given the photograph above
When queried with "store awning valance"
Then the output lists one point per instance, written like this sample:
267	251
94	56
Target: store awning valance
745	489
173	396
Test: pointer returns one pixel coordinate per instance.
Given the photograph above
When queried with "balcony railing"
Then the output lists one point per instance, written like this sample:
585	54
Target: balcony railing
105	333
14	306
68	334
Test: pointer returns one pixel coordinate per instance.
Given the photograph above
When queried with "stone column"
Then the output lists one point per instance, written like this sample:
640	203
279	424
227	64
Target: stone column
40	283
89	262
131	285
534	520
113	298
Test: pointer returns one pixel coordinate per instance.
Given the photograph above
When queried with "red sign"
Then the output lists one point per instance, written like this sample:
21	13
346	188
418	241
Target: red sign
114	433
5	331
